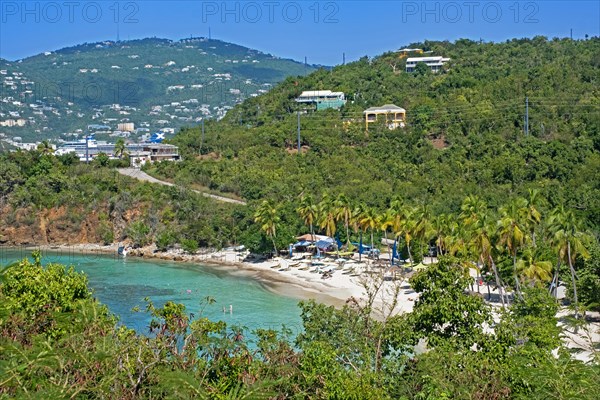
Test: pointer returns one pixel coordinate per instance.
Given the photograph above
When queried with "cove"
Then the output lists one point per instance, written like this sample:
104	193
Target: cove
122	284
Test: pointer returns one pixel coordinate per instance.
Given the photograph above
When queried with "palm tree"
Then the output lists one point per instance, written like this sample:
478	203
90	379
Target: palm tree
385	222
368	220
512	232
396	211
343	212
407	228
532	214
568	241
422	224
355	222
308	212
267	214
120	149
45	148
535	271
327	218
479	230
442	226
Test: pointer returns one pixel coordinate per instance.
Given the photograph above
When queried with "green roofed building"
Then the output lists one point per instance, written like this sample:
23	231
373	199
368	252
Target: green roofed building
323	99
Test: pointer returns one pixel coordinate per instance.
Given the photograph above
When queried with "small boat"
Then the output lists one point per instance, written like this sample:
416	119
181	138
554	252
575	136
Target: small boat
122	251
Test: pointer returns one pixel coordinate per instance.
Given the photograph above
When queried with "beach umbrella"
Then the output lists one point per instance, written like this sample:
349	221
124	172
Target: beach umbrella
420	266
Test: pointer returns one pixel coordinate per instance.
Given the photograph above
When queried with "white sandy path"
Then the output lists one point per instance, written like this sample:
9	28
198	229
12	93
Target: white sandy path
141	175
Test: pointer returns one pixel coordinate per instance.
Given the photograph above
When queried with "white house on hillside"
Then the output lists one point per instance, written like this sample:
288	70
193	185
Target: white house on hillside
435	63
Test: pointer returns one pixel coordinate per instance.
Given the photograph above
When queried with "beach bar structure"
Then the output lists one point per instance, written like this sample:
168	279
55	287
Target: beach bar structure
323	99
393	116
142	153
139	153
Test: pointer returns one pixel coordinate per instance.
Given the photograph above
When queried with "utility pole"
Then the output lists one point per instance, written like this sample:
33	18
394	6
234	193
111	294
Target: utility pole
343	58
87	159
202	137
298	132
526	116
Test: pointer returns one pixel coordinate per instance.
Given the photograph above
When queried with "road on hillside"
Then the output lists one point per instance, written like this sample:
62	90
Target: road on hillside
141	175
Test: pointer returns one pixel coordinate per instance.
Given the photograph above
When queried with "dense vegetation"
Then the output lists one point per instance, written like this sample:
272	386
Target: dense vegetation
460	177
464	134
461	170
58	197
58	342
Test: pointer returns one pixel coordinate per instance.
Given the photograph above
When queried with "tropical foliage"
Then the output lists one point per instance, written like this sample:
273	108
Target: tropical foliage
58	342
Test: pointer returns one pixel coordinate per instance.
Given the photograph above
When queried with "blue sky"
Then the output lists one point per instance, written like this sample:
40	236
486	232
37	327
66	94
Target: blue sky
319	30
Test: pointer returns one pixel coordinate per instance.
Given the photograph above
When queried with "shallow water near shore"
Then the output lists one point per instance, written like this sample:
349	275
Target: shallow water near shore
122	284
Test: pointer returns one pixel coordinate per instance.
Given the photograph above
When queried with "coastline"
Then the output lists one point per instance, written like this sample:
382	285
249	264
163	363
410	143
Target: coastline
290	282
304	285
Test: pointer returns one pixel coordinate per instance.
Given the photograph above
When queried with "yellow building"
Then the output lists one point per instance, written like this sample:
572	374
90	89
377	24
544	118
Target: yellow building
394	116
126	127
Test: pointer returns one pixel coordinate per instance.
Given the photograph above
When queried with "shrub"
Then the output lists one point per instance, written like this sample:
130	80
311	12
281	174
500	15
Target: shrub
189	246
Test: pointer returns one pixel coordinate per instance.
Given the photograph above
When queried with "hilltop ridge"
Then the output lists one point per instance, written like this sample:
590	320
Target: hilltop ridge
154	83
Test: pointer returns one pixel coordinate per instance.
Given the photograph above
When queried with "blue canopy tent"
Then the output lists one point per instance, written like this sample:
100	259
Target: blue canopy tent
325	244
395	255
302	243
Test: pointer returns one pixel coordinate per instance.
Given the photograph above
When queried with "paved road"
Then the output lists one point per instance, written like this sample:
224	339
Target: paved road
141	175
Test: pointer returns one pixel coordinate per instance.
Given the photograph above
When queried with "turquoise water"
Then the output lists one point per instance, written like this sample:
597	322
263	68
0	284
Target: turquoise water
122	284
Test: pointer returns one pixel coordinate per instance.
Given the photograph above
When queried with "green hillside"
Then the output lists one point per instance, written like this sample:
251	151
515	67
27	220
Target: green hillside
151	80
461	179
464	133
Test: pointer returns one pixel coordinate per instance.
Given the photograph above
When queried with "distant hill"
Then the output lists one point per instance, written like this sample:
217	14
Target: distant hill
154	83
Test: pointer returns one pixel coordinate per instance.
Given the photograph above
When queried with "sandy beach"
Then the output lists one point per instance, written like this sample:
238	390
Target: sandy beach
296	279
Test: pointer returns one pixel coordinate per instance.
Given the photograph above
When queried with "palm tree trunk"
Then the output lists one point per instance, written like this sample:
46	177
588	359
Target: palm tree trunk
573	280
347	232
500	288
388	246
274	245
554	284
517	283
409	254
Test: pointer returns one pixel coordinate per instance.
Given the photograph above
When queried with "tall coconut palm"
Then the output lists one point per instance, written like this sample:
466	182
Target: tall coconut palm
512	232
396	211
480	229
45	148
343	212
422	218
443	226
369	220
358	211
407	229
533	215
533	270
569	242
327	218
120	148
308	211
267	215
